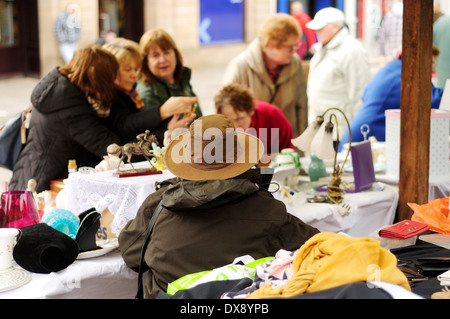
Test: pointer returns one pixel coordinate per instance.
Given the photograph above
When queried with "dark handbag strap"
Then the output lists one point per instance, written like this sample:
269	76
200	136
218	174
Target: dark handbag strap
140	292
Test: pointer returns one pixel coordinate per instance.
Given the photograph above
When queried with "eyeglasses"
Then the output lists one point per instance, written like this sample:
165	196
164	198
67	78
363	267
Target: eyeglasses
240	120
291	48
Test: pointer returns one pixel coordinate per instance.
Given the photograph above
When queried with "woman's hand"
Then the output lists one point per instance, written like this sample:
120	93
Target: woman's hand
176	123
177	105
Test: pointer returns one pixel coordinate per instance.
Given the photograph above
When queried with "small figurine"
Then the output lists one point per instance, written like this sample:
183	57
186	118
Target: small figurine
130	149
108	163
145	147
31	187
158	159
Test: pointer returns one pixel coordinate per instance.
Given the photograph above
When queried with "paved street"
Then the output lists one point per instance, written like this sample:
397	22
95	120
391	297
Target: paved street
15	96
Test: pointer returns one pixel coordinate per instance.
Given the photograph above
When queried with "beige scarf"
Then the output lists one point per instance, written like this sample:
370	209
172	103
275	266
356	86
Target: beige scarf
98	108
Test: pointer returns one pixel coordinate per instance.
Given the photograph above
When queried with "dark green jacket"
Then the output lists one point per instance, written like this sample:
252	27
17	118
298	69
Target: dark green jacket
156	94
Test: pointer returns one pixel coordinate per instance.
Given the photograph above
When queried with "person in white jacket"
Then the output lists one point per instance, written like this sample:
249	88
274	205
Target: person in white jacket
339	69
67	31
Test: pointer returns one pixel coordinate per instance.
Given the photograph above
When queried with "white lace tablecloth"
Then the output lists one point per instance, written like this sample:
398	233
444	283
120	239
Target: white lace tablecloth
121	196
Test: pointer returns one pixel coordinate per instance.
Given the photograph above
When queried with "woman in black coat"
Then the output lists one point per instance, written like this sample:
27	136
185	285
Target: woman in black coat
78	113
65	123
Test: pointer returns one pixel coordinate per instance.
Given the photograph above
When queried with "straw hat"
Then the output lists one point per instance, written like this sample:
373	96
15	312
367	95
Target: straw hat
212	149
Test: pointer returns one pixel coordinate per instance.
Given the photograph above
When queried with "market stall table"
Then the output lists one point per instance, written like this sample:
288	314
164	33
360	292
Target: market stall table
108	276
122	197
360	215
410	256
102	277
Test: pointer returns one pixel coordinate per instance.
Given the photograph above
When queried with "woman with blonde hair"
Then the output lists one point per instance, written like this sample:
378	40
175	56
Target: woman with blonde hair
272	70
68	105
128	117
163	72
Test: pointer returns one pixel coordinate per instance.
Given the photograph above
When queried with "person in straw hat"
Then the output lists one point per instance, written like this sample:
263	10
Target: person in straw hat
217	209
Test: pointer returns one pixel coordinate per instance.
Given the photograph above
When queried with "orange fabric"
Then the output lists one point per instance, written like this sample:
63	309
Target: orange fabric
435	214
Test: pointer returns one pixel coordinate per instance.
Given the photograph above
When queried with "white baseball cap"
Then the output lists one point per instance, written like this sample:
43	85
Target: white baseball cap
326	16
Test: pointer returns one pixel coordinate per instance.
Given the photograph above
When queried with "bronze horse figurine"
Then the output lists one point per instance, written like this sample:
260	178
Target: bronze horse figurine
128	150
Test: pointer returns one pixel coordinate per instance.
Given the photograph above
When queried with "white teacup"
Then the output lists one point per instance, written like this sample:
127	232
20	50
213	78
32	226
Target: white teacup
8	238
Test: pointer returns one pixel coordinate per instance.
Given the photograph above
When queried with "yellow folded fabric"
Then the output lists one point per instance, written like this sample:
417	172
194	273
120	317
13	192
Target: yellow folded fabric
329	260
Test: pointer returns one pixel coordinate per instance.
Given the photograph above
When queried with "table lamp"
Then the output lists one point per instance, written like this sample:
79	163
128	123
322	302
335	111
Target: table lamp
318	139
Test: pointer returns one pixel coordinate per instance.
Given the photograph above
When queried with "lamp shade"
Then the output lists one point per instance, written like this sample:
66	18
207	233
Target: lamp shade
322	144
303	142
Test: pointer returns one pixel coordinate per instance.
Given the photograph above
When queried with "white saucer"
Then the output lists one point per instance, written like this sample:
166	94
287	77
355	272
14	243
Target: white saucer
13	278
105	247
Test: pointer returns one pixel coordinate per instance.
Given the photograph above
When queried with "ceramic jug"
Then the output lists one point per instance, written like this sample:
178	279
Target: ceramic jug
8	238
316	169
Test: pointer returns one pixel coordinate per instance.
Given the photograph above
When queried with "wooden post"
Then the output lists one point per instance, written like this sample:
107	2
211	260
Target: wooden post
415	105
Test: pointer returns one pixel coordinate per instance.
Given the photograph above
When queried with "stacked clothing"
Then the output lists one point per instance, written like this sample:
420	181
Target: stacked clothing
326	261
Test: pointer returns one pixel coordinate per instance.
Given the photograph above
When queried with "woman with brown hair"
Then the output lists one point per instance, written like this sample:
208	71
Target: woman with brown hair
163	72
68	104
128	117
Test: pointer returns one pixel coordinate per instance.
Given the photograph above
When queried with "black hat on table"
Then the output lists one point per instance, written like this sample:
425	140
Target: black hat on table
43	249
